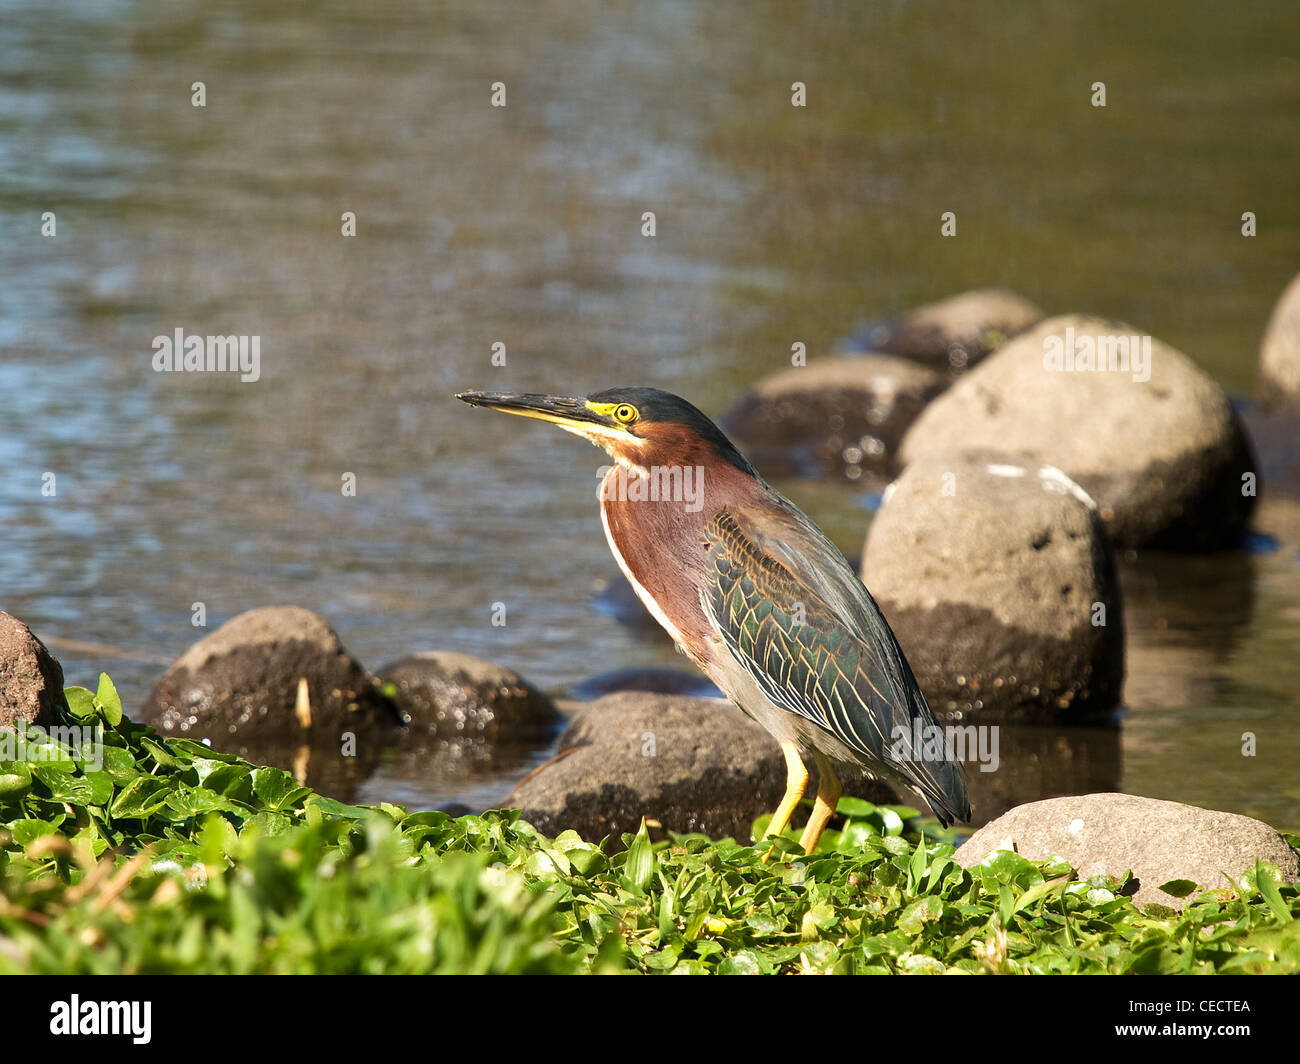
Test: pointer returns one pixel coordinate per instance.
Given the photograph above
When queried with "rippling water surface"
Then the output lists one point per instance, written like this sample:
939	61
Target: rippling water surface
522	225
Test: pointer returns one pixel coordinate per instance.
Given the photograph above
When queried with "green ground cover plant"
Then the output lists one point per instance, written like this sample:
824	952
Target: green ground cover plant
163	855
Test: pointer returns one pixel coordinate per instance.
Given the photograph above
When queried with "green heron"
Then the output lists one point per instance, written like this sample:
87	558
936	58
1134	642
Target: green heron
758	597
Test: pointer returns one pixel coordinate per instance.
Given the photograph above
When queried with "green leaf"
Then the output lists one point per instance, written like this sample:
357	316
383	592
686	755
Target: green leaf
234	781
81	703
192	801
640	866
664	959
76	790
109	703
333	807
1268	890
1034	893
27	831
920	964
15	780
434	818
164	757
140	798
119	764
1179	888
101	787
744	962
191	749
893	823
1006	903
917	867
919	913
766	923
277	789
47	761
1007	866
587	862
853	838
216	839
267	824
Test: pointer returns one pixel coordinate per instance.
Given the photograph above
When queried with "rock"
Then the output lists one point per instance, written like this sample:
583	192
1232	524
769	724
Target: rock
1279	353
31	679
240	685
989	570
838	415
692	764
954	333
455	696
660	681
1111	834
1165	458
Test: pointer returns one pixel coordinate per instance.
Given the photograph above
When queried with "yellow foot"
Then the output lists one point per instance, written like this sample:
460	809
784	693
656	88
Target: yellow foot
796	779
828	793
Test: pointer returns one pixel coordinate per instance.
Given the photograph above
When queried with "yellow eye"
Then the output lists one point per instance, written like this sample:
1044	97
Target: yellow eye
624	413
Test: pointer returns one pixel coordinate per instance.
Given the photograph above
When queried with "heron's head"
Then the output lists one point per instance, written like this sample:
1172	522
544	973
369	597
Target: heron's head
640	428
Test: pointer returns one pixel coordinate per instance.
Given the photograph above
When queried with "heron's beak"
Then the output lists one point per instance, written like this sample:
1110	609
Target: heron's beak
566	411
591	421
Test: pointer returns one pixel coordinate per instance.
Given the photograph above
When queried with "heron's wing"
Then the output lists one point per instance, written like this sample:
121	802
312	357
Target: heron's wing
791	611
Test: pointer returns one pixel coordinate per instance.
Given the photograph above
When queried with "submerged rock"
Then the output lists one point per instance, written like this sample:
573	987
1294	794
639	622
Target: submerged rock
31	678
839	415
1158	841
997	579
954	333
242	682
1156	444
693	765
1279	353
455	696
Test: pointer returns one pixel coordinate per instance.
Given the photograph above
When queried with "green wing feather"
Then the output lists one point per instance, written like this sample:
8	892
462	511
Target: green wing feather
796	617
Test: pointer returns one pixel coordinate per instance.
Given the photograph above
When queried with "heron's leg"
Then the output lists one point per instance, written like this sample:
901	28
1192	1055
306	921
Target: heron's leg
796	779
828	793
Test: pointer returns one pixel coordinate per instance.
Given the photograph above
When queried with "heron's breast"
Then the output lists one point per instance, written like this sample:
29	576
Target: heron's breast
658	541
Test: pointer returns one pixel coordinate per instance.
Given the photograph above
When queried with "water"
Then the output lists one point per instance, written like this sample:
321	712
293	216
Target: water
523	225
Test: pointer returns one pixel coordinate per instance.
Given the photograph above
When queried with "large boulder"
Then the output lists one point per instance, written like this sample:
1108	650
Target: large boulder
839	415
241	684
1279	354
997	579
31	679
1111	834
1153	440
953	333
692	764
453	696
